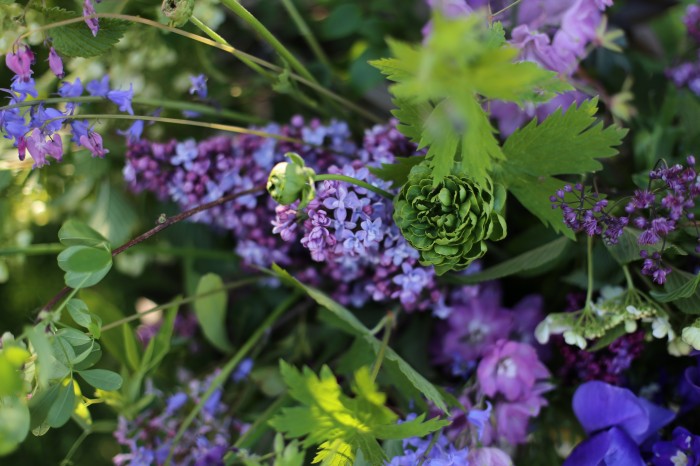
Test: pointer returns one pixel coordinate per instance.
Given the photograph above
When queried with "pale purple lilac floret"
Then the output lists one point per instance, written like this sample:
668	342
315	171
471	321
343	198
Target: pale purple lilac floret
553	33
657	212
148	438
687	74
36	128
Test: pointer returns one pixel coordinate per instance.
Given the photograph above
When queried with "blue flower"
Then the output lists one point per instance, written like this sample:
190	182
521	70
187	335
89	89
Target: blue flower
612	447
199	85
480	418
175	402
134	132
123	99
684	449
98	88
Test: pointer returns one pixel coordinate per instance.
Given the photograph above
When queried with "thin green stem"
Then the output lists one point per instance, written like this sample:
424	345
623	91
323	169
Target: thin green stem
355	181
177	121
306	33
589	259
169	104
252	431
259	28
53	248
73	449
179	302
226	48
385	343
628	277
230	366
216	37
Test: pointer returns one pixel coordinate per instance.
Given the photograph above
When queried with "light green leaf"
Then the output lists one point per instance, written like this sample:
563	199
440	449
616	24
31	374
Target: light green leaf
91	359
63	407
159	346
76	233
40	404
352	325
211	311
102	379
44	354
524	262
681	289
76	40
84	265
131	348
79	312
564	143
14	424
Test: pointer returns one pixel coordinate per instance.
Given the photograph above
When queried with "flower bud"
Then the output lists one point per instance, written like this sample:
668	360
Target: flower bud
178	11
691	335
291	181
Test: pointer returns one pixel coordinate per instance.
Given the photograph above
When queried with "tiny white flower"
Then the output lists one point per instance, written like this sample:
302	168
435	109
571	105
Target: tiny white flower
610	292
630	326
661	327
633	310
573	338
542	331
691	335
678	348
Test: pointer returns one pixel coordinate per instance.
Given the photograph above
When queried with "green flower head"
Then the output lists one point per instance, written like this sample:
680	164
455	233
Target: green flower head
450	221
291	181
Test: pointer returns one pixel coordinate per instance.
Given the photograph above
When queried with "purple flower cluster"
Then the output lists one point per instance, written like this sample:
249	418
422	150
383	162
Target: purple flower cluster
475	320
608	364
657	211
36	128
552	33
512	375
148	438
618	423
348	230
684	448
438	453
687	74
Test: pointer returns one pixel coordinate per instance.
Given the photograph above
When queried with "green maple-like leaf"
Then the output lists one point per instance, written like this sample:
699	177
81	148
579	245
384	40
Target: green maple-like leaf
440	88
341	425
564	143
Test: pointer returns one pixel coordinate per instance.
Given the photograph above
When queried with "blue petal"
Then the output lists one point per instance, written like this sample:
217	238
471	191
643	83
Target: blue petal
612	447
599	405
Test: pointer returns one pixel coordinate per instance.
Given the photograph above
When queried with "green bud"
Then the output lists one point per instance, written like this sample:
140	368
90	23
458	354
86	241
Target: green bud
292	181
178	11
450	221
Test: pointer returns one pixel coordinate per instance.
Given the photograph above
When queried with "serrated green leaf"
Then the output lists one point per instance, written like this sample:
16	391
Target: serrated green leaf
14	424
352	325
76	40
684	291
411	117
211	311
564	143
527	261
84	265
398	171
76	233
417	427
102	379
63	406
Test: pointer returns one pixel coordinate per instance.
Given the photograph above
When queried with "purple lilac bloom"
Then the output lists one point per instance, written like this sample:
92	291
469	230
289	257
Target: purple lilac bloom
510	368
692	21
442	453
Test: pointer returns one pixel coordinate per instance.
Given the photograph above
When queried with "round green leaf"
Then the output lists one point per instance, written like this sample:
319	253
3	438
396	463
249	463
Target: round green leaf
102	379
84	265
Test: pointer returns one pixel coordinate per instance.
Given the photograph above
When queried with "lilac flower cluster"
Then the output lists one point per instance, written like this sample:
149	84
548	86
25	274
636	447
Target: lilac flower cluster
553	33
36	128
148	438
347	229
608	364
440	453
657	212
621	427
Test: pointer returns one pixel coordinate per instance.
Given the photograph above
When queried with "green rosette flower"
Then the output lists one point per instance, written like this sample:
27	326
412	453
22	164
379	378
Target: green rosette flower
292	181
449	222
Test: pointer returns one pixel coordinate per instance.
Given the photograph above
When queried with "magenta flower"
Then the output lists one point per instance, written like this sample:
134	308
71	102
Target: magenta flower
512	419
39	147
55	63
20	63
510	368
